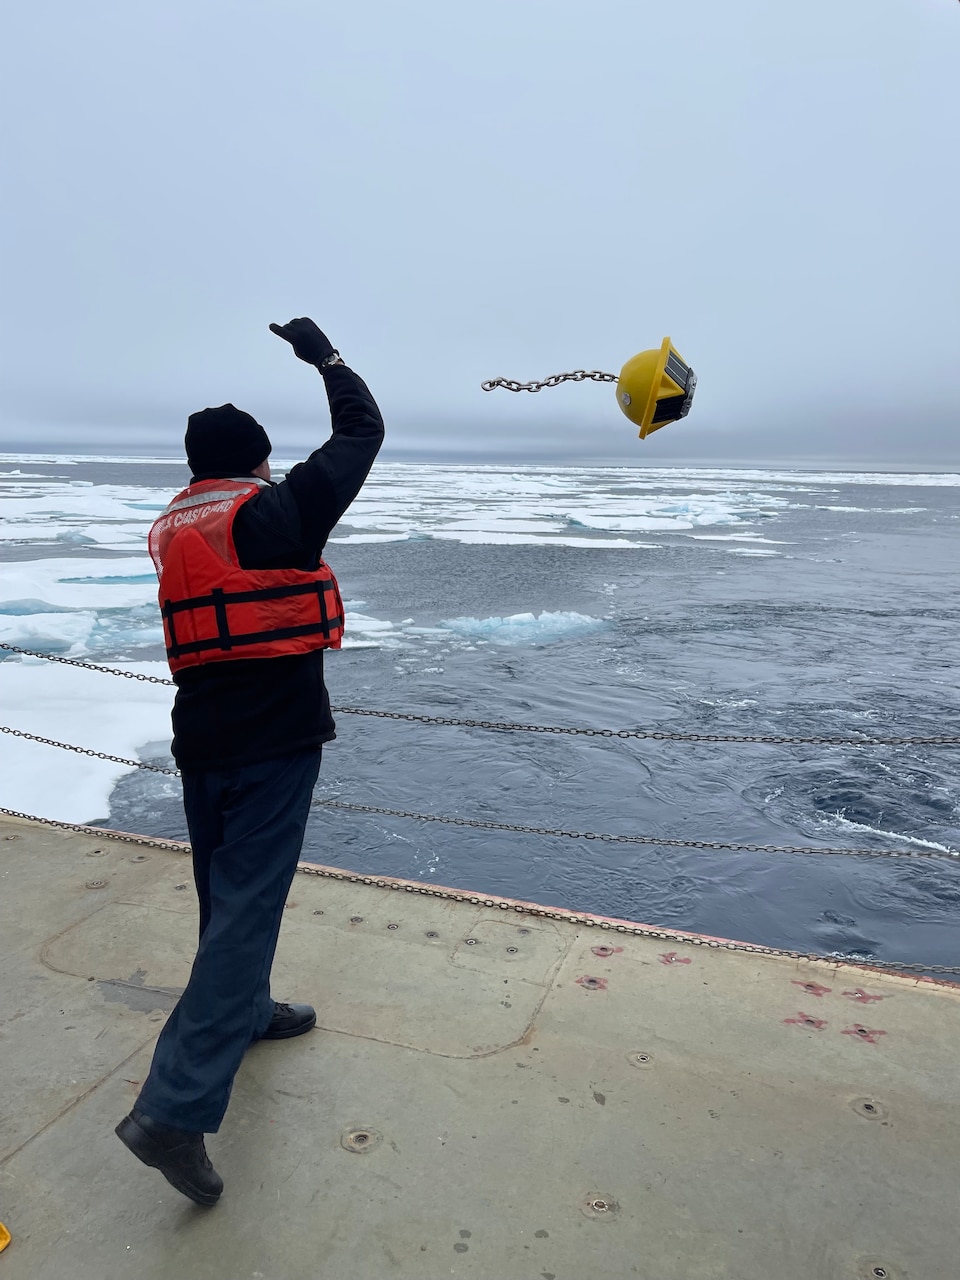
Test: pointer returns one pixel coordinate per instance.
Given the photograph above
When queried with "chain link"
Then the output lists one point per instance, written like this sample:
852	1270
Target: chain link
653	735
485	825
519	908
578	375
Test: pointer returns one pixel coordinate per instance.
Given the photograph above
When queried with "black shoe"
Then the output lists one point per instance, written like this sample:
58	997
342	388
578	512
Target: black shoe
180	1156
290	1020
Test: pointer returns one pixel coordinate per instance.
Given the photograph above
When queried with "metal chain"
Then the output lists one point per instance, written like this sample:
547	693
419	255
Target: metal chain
666	842
485	825
520	908
89	666
637	930
87	751
578	375
654	735
101	833
657	735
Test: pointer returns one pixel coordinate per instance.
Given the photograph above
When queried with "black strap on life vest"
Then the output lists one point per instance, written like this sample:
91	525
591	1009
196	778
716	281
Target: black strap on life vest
218	600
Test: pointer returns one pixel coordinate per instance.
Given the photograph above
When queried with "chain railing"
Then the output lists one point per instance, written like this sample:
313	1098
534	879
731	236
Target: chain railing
87	666
87	751
917	853
660	735
650	735
667	842
520	908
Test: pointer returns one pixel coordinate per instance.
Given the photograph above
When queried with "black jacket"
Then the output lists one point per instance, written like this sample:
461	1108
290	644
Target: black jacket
240	712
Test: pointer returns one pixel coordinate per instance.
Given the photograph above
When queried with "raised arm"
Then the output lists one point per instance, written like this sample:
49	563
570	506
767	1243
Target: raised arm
292	520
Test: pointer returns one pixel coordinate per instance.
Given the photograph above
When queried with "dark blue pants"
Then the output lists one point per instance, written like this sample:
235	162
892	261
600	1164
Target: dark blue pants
246	827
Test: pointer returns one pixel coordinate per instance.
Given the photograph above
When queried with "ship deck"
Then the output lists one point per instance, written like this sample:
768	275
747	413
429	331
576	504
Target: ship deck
493	1090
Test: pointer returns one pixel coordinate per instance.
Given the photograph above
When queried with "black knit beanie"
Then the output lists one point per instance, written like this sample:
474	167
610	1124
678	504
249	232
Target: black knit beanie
225	441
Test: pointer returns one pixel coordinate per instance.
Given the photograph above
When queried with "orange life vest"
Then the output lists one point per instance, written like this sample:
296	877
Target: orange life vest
213	610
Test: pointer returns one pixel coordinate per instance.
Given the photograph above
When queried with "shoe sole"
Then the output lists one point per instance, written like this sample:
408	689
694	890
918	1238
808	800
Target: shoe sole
151	1153
296	1031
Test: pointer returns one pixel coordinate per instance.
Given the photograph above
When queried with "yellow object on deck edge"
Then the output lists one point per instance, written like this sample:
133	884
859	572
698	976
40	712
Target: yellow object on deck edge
4	1237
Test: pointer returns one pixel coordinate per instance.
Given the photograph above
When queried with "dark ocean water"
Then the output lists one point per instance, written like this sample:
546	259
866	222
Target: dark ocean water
844	620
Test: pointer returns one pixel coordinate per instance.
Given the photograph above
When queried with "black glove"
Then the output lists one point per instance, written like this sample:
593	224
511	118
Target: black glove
309	343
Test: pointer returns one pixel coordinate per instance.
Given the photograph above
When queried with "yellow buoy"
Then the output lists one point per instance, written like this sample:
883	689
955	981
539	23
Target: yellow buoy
656	387
4	1237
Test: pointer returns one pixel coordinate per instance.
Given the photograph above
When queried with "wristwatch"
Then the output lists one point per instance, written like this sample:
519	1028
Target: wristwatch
332	358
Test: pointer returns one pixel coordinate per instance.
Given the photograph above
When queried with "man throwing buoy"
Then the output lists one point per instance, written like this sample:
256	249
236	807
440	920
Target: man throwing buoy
248	608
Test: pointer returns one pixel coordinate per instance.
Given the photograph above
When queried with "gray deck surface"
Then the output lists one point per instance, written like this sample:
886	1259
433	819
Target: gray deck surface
515	1131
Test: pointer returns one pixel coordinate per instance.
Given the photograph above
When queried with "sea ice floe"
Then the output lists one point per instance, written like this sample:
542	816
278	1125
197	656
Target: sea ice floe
526	628
80	707
55	510
61	632
80	582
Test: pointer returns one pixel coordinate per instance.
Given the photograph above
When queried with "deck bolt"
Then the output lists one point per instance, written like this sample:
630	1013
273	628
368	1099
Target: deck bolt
869	1109
359	1140
356	919
512	951
318	913
393	926
640	1058
599	1207
179	886
471	942
431	933
96	884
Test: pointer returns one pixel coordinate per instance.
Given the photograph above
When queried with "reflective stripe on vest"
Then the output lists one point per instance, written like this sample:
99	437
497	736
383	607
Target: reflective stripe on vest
198	499
213	609
226	640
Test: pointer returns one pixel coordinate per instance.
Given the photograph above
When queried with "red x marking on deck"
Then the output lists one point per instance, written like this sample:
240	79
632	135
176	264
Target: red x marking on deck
806	1020
671	957
861	995
863	1033
812	988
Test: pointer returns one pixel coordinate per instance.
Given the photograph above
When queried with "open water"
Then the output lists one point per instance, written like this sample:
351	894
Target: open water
705	601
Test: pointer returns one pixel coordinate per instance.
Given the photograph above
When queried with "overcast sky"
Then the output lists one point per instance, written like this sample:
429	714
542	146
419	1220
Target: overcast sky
459	191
